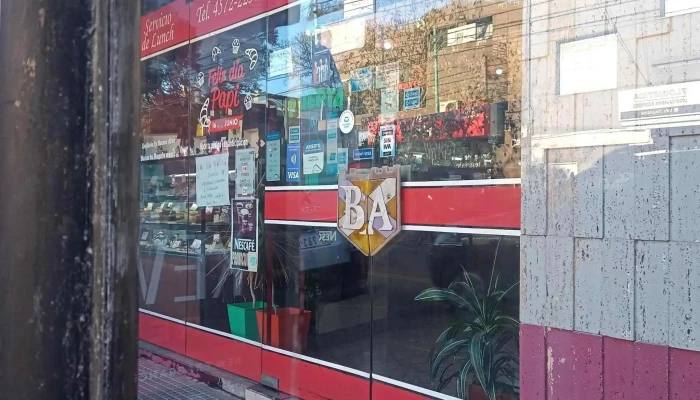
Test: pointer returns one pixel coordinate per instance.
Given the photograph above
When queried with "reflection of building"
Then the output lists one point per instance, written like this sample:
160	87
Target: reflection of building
458	62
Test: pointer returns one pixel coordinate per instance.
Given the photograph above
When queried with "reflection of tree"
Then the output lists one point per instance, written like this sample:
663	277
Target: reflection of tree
165	85
465	74
254	80
302	54
167	79
165	94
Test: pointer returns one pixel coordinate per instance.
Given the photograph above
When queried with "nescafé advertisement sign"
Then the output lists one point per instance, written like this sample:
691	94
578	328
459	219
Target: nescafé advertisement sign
369	207
244	234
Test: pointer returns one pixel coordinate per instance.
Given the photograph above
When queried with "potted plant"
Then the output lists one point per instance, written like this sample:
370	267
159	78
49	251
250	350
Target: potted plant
242	316
477	350
289	327
283	327
286	328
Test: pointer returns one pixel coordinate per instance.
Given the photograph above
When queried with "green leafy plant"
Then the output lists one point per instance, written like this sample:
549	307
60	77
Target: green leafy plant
478	348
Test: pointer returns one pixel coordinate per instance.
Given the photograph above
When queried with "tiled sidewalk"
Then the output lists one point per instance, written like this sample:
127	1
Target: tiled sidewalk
160	383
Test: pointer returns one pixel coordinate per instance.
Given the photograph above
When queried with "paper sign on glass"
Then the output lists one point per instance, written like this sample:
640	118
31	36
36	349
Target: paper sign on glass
244	231
313	157
293	162
245	173
332	147
411	99
387	141
294	134
342	158
212	180
272	163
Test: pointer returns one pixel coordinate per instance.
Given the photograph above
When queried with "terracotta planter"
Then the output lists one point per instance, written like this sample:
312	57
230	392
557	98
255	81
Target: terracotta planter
289	328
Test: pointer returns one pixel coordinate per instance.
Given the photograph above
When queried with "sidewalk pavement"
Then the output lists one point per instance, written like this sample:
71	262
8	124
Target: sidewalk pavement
157	382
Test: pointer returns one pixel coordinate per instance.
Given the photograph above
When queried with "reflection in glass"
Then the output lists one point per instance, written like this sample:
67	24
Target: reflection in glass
444	305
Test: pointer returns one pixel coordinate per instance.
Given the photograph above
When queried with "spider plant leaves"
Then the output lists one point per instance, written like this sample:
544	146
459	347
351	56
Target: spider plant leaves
462	381
445	380
477	356
478	349
491	361
448	350
447	334
438	294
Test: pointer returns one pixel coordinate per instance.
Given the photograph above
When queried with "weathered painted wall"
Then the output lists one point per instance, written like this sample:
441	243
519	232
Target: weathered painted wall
610	264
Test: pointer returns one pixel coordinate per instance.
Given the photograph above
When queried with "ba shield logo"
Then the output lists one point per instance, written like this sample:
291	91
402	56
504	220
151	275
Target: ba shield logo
369	207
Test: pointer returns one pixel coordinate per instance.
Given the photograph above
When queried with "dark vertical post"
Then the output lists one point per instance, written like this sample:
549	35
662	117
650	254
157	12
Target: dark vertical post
436	78
68	198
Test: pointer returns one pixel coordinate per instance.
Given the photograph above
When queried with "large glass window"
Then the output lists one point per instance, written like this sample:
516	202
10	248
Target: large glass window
444	304
284	98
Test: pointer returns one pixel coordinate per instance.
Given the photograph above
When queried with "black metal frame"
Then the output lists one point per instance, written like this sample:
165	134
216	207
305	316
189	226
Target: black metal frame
69	152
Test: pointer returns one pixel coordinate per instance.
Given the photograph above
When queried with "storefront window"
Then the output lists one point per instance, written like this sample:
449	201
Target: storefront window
446	309
267	127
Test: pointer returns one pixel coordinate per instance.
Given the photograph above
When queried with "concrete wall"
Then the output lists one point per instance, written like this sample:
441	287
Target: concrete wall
610	264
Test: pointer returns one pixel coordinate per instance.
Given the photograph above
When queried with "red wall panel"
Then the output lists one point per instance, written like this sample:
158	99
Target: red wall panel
469	206
161	332
618	368
227	354
560	364
383	391
178	22
312	381
206	17
316	206
684	375
650	372
588	367
165	27
532	362
296	377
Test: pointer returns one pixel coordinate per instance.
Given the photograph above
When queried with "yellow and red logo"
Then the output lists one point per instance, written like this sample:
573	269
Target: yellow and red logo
369	207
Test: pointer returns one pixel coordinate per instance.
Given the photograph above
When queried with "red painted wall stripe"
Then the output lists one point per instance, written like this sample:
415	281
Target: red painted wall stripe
618	369
206	17
230	355
469	206
315	206
166	334
559	364
532	362
166	27
383	391
650	372
588	367
296	377
313	381
178	22
472	206
684	375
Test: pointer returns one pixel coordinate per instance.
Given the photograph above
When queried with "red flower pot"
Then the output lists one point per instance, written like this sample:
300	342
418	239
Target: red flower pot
289	328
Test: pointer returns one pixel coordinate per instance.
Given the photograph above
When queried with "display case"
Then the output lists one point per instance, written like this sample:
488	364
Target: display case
183	248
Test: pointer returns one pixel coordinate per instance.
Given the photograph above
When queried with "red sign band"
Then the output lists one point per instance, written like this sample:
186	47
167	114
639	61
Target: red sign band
225	124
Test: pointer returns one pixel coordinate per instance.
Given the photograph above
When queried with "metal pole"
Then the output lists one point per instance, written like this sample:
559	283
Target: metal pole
436	79
68	203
